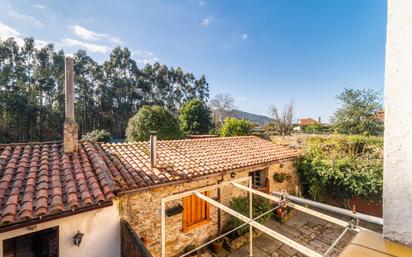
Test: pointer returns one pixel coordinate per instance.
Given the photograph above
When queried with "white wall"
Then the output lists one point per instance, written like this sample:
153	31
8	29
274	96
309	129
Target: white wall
397	200
101	230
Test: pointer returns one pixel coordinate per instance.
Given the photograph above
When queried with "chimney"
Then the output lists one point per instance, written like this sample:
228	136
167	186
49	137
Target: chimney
320	121
70	133
153	149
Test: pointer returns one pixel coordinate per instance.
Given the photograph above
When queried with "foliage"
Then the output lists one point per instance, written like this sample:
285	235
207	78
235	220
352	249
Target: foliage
240	204
357	114
317	129
280	176
195	117
343	167
235	127
97	135
106	95
152	118
282	120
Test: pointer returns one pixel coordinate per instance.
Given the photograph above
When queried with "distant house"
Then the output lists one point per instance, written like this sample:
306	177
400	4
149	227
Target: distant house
380	116
308	122
302	123
73	198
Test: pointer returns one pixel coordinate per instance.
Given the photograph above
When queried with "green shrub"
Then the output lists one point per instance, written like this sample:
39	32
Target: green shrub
195	117
97	135
152	118
235	127
317	129
241	205
343	167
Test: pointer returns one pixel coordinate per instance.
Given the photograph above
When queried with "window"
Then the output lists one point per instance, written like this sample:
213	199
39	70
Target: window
257	179
44	243
196	212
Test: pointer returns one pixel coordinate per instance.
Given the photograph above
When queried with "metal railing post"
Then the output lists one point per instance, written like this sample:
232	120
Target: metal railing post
251	218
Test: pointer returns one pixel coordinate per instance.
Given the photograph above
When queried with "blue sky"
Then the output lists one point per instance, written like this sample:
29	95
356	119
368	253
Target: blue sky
260	52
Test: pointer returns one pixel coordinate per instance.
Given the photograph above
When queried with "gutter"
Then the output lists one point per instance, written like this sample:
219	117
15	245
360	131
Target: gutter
42	219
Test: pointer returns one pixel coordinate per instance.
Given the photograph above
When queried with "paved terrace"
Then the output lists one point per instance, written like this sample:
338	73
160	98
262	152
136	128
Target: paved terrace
310	231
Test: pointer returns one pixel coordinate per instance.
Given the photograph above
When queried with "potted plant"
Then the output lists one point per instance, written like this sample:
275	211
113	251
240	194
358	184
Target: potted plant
217	245
280	177
283	213
190	248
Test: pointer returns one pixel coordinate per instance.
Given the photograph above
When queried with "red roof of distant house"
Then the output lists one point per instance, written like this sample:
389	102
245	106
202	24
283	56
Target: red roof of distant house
39	180
380	116
307	122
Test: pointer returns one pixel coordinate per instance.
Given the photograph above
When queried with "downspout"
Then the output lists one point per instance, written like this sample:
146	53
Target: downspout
219	211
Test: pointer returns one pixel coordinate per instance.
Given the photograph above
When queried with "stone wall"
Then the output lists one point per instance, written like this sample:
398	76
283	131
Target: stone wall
131	244
142	209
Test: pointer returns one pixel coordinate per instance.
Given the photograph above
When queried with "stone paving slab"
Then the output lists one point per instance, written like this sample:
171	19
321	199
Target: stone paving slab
312	232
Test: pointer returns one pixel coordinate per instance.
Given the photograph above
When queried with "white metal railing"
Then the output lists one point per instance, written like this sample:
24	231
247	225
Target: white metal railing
252	221
326	207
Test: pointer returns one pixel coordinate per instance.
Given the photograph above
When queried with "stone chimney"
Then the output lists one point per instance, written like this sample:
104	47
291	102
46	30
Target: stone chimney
153	149
70	133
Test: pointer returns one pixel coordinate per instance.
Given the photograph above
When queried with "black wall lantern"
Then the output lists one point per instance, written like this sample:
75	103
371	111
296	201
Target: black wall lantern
77	239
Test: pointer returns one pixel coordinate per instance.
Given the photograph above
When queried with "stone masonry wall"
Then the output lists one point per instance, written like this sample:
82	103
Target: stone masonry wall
131	245
142	209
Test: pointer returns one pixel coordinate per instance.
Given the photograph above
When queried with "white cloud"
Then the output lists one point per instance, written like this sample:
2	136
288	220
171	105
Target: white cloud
243	36
40	6
207	21
202	3
94	48
6	32
40	43
240	98
144	57
89	35
26	18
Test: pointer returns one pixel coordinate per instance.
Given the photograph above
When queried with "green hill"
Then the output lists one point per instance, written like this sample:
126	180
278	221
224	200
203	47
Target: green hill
248	116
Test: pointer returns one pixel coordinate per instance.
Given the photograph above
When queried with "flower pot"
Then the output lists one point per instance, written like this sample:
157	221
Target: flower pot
217	246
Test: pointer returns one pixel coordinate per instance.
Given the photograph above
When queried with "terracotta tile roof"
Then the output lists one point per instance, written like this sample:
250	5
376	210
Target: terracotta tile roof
307	122
186	159
37	180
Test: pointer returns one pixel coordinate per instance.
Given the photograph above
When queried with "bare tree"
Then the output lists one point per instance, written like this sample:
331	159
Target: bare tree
221	103
282	120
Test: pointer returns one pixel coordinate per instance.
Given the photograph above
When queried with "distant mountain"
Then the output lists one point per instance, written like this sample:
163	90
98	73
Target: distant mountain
248	116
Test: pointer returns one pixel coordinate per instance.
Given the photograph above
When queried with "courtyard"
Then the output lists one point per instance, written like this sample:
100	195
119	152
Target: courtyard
312	232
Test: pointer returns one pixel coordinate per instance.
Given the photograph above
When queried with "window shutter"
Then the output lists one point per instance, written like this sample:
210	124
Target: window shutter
196	212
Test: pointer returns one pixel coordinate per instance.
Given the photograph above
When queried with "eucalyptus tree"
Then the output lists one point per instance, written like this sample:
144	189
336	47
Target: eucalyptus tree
86	80
120	76
106	95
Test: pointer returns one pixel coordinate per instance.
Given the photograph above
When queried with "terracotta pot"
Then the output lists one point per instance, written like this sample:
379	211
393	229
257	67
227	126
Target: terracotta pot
217	246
